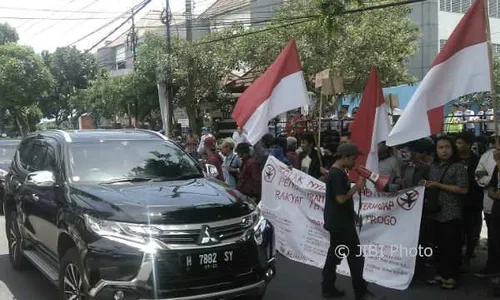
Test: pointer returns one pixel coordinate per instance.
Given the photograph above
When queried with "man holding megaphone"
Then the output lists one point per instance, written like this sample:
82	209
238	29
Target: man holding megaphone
340	222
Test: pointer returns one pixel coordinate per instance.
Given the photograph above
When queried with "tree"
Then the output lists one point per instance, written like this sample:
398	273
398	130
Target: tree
24	79
101	99
199	68
71	70
350	44
8	34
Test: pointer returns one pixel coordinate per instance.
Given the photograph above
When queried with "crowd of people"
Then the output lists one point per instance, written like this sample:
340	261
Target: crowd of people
459	171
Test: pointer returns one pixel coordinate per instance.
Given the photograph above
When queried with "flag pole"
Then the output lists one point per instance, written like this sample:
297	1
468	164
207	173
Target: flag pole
318	138
492	80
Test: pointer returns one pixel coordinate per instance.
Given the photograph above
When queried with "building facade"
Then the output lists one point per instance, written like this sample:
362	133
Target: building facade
117	55
437	19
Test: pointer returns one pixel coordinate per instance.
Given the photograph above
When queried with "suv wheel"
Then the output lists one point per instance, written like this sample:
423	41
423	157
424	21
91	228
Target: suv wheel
15	241
72	283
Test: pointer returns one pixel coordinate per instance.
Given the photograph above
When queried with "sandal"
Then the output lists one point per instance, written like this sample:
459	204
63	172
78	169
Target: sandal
449	284
436	280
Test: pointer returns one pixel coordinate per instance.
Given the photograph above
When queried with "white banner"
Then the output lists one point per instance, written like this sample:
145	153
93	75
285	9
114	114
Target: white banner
293	201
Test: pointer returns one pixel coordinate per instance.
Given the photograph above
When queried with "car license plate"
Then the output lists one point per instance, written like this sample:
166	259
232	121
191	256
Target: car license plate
209	260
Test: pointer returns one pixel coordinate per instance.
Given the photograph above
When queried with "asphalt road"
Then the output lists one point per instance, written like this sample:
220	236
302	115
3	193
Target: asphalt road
294	281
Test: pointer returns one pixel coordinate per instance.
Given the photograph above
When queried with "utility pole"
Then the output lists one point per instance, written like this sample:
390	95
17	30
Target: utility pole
169	92
132	41
189	20
189	38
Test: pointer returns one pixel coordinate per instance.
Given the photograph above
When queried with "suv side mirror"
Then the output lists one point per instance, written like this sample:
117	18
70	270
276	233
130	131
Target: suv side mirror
40	179
211	170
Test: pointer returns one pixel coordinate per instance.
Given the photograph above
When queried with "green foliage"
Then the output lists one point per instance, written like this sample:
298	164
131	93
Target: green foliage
8	34
349	44
71	70
24	79
101	99
199	69
383	38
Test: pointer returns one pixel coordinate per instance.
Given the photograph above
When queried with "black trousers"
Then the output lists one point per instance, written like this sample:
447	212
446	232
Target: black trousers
346	239
495	234
492	263
472	225
448	239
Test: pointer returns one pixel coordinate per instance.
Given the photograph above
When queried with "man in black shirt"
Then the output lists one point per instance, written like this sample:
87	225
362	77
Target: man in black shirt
339	221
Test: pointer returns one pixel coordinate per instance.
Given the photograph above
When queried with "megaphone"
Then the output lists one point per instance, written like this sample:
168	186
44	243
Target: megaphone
380	181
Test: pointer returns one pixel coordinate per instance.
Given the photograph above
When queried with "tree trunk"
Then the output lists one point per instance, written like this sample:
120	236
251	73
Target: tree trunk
2	119
22	123
195	121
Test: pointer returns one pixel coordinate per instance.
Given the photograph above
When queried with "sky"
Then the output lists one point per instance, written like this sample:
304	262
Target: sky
80	17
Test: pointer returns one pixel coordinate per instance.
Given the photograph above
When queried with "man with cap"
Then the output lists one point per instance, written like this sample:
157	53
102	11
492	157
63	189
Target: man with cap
340	222
250	182
209	144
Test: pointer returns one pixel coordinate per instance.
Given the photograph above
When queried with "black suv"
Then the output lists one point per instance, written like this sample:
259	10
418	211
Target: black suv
128	215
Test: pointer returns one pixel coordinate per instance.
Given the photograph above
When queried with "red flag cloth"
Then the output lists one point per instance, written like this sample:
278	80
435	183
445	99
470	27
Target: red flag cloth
461	68
280	89
371	125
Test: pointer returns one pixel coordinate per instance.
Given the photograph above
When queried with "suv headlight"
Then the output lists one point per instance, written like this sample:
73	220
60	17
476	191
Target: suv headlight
260	226
132	232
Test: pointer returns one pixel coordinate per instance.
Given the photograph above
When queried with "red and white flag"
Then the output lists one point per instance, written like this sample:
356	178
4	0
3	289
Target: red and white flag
462	67
371	125
280	89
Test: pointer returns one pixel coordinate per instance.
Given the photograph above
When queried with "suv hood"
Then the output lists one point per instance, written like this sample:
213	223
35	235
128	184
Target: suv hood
174	202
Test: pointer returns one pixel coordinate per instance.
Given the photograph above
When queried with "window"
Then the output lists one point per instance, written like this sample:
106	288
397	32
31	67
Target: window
461	6
495	48
24	152
99	161
38	156
49	163
493	8
121	65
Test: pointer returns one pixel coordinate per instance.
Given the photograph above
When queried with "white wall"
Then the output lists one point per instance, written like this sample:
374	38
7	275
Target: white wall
448	21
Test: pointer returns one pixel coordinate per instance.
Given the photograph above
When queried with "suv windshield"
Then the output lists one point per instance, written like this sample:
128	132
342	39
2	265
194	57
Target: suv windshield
116	160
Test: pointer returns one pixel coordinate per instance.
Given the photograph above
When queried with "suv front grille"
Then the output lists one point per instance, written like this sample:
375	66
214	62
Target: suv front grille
191	236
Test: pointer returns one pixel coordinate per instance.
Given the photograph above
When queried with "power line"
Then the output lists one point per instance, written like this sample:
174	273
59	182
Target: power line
311	18
145	3
31	26
56	19
50	26
59	10
80	23
110	22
